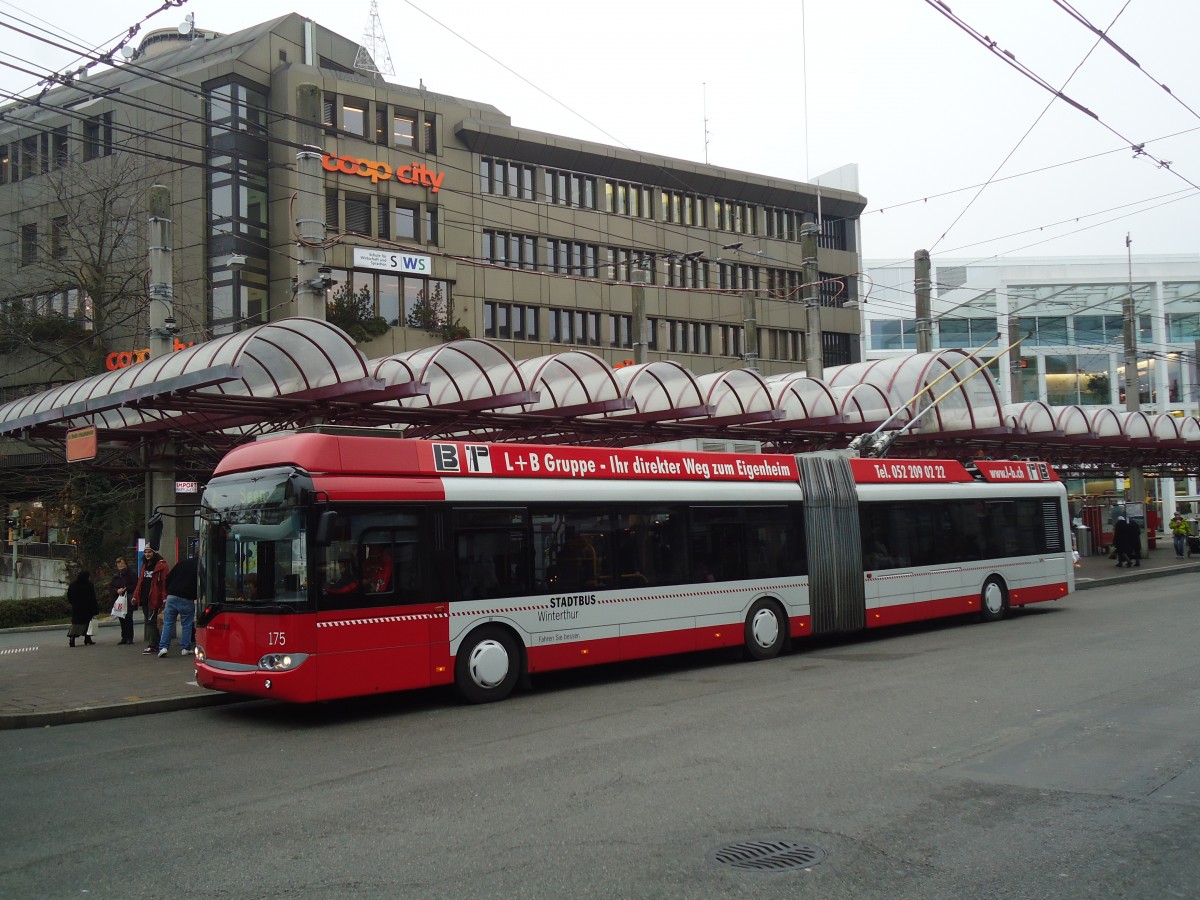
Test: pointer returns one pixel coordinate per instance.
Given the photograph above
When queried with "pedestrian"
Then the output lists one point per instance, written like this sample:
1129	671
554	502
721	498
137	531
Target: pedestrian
81	594
1126	541
1180	532
123	584
181	604
150	595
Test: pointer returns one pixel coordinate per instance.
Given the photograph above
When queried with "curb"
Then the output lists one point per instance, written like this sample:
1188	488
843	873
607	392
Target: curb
116	711
1135	576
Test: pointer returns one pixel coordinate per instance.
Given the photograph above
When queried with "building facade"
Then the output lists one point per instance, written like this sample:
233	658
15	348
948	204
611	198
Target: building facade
1069	313
440	219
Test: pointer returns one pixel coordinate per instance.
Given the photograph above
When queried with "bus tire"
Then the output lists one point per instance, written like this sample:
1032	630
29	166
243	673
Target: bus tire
488	665
993	600
766	629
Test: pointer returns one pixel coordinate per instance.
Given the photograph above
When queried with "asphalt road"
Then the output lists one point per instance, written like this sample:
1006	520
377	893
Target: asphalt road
1053	755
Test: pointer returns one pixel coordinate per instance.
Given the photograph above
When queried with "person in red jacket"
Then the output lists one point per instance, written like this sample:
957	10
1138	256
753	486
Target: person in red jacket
150	595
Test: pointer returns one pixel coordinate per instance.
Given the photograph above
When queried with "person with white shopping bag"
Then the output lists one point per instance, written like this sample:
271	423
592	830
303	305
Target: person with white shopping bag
120	591
81	594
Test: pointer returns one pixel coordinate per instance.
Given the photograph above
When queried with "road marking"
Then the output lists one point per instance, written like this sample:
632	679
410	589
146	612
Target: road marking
18	650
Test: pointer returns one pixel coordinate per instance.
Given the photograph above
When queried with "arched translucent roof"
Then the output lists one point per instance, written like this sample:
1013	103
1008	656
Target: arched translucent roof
802	398
288	357
737	397
970	402
573	382
1030	418
1072	421
466	374
1164	427
1189	429
861	403
1105	424
1135	425
660	391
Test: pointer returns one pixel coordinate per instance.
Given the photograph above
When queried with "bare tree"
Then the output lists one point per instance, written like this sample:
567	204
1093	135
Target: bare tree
76	280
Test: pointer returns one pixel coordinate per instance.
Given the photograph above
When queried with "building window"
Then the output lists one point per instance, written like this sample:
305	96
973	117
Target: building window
784	224
5	165
687	337
358	214
837	348
29	243
783	344
570	189
620	331
431	145
574	326
893	334
505	248
513	321
329	111
968	332
739	218
354	116
97	137
332	219
404	129
572	258
737	277
729	340
832	290
626	199
61	151
506	179
406	222
431	225
686	272
58	237
683	209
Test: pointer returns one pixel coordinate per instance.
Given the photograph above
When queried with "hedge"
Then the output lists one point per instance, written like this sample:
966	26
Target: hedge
18	613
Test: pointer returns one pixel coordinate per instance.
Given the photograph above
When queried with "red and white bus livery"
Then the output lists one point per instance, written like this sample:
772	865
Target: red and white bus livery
337	563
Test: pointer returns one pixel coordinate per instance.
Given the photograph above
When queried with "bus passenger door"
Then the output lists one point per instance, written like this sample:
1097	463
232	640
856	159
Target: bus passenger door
374	624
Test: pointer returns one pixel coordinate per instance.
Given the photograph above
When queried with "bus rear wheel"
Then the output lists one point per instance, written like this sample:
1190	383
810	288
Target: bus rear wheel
766	628
487	666
993	600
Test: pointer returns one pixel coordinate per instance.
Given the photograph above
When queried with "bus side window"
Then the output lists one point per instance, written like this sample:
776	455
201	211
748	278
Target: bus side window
377	568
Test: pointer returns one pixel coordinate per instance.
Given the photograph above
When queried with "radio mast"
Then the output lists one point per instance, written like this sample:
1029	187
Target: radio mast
373	54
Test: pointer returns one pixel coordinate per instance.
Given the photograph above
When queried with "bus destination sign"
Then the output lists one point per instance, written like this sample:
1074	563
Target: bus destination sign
518	461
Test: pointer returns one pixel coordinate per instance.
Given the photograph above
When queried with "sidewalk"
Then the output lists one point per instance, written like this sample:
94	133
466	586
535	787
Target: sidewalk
45	682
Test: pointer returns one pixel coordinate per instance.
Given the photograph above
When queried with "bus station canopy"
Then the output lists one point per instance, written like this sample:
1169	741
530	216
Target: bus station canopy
297	372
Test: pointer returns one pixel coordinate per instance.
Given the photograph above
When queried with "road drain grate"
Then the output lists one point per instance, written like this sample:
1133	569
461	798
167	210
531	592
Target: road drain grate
767	856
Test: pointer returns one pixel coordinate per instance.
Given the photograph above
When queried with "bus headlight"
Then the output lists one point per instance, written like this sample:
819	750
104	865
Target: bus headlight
199	654
281	662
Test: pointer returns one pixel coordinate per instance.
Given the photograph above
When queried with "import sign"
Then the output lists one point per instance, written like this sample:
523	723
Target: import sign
391	261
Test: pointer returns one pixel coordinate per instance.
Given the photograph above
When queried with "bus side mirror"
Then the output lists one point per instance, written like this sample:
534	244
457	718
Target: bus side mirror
326	524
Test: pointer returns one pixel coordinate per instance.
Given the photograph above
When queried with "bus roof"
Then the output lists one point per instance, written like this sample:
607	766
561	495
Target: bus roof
382	455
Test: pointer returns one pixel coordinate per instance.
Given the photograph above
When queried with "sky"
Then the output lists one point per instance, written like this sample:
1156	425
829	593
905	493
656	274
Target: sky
796	88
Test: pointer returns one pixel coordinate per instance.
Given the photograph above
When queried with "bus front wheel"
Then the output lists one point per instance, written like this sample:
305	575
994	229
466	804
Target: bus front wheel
487	666
766	628
993	600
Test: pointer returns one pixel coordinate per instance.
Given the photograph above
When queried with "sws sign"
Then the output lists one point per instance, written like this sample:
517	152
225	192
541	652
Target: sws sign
413	173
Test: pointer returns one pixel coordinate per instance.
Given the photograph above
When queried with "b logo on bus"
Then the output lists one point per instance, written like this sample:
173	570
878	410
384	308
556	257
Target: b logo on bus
446	459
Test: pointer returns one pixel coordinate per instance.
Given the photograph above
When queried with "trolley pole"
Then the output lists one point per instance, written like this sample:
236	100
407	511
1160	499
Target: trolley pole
814	356
640	323
1133	391
162	309
922	290
310	210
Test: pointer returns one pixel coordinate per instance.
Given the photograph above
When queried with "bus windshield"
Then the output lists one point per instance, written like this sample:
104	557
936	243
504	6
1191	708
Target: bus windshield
253	542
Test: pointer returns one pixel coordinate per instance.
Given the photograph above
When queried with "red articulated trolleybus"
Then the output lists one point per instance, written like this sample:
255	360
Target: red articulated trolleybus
336	564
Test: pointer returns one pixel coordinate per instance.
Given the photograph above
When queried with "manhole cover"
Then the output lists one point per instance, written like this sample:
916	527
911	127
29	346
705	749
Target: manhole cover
767	856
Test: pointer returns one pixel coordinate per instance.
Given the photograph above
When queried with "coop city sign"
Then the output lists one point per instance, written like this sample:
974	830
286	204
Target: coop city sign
412	173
